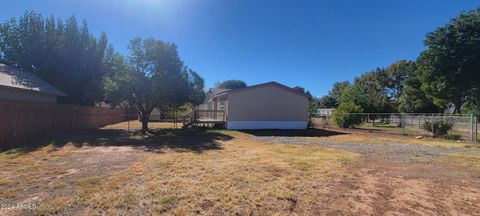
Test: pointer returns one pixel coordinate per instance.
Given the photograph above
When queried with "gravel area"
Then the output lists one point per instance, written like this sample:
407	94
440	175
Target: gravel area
401	152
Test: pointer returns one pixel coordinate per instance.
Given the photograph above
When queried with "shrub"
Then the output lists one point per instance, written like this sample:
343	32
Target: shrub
344	115
440	127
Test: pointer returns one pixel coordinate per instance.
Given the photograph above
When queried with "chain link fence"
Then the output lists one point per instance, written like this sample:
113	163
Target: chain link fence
132	123
450	126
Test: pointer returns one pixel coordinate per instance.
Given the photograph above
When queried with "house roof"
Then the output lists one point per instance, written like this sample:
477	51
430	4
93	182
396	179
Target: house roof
14	78
260	85
215	91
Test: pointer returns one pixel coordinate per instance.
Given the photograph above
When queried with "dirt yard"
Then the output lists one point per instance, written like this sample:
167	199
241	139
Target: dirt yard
215	172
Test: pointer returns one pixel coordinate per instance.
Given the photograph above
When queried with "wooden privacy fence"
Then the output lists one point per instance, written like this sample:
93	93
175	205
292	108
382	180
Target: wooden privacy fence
23	122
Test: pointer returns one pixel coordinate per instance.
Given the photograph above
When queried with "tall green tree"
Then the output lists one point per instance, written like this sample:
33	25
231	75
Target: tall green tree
332	99
153	75
231	84
64	54
449	67
197	86
414	100
337	91
396	76
370	92
327	101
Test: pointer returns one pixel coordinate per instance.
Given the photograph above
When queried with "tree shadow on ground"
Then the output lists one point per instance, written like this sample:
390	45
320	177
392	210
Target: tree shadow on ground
181	140
311	132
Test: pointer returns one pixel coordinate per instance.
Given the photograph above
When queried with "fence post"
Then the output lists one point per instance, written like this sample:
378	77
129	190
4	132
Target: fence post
128	120
419	122
402	122
476	130
471	127
433	128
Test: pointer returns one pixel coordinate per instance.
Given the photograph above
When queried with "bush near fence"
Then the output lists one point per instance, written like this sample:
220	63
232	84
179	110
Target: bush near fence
25	122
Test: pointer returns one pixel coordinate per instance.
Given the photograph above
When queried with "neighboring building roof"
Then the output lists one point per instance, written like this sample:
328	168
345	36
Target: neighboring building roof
260	85
14	78
215	91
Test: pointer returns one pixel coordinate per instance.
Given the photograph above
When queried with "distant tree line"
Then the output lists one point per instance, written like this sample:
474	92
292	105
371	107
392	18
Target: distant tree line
444	78
231	84
88	70
64	53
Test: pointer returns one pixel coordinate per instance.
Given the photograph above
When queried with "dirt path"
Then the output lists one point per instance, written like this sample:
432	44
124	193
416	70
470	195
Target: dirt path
392	188
397	179
397	151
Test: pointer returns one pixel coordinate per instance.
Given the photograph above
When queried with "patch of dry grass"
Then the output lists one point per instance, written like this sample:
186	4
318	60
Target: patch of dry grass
55	205
240	176
183	173
244	177
234	176
385	139
466	160
8	193
306	158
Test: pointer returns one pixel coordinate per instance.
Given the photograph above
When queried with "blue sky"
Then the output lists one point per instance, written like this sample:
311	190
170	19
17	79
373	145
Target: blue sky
308	43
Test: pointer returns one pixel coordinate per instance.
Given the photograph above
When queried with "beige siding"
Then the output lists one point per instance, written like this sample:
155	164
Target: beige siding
7	93
267	103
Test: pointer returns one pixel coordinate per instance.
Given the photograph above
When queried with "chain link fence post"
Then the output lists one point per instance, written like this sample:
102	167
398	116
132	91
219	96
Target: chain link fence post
433	128
402	116
476	130
128	120
472	128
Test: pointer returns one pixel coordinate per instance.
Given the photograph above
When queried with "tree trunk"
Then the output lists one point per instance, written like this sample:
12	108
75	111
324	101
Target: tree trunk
456	110
458	105
144	117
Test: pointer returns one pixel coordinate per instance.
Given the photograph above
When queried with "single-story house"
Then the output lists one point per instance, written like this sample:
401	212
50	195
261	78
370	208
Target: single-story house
155	115
24	86
265	106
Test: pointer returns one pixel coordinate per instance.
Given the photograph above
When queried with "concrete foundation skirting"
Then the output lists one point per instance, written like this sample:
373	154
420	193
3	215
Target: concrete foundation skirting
255	125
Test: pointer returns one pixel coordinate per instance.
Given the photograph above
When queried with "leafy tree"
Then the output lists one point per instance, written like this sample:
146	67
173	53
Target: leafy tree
344	115
449	67
327	101
337	90
63	53
153	76
197	85
414	100
396	75
231	84
369	91
119	83
332	99
472	106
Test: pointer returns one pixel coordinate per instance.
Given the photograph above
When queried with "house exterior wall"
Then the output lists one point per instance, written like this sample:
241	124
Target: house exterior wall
7	93
267	107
